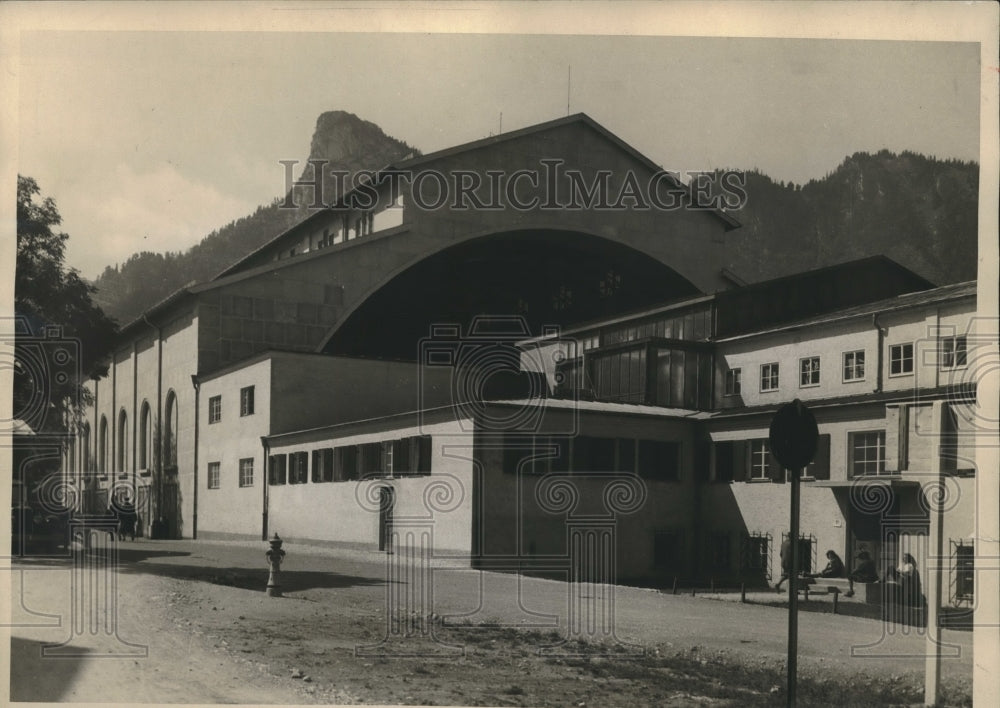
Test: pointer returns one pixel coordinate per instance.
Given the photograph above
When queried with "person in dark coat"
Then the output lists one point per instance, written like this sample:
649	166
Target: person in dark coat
864	571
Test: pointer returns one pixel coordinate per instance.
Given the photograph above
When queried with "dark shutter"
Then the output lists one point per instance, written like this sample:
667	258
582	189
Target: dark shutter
741	460
821	468
424	455
723	461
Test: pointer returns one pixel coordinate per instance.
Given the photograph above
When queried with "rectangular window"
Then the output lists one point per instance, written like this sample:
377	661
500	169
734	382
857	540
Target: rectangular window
760	454
809	372
246	401
345	463
246	472
953	352
769	377
900	359
214	409
298	468
854	366
805	546
659	459
733	377
276	469
322	465
867	453
373	460
755	561
213	475
963	571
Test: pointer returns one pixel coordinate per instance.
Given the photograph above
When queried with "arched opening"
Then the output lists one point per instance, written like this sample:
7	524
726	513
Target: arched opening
547	277
85	460
121	459
102	446
170	420
145	437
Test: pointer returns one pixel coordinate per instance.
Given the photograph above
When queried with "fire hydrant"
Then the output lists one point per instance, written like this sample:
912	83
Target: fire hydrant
274	558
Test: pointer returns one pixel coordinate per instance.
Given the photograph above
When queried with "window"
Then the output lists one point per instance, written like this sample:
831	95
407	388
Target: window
733	377
145	438
953	352
213	475
769	377
322	465
900	359
854	366
809	371
246	472
123	448
867	453
755	560
214	409
372	457
298	468
276	469
246	401
805	546
659	460
411	456
760	454
345	463
963	581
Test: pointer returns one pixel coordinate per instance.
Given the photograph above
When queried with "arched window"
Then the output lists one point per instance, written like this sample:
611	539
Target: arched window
170	420
71	455
102	447
85	461
122	457
145	438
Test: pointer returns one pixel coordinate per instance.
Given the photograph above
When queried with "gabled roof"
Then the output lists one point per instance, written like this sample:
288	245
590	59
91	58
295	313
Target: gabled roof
729	222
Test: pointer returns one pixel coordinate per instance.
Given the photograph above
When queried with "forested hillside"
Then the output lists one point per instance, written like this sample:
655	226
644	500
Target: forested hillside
917	210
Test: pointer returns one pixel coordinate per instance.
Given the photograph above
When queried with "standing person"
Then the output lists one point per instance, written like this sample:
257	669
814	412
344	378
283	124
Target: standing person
786	562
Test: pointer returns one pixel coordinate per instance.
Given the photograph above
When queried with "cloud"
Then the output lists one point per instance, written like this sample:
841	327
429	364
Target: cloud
128	210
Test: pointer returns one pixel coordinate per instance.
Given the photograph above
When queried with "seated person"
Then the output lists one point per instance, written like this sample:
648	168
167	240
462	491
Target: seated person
864	572
834	567
909	581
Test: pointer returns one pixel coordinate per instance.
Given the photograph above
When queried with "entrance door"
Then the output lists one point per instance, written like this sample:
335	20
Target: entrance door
386	499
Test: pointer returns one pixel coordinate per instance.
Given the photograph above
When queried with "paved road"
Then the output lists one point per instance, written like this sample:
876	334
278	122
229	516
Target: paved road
356	580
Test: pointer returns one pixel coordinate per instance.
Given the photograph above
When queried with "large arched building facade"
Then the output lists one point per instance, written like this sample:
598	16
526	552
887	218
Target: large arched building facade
541	223
483	350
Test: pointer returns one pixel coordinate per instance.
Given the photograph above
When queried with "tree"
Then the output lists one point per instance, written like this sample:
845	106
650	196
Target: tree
51	364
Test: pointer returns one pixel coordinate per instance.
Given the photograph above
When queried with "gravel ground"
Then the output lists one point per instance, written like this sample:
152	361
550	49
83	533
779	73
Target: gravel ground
488	639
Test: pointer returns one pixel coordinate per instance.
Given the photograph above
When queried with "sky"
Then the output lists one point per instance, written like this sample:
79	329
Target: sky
149	140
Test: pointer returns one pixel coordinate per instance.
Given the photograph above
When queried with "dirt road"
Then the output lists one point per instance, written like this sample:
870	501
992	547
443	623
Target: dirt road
213	636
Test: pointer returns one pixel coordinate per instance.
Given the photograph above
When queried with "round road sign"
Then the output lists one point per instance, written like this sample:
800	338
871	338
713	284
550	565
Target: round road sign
793	435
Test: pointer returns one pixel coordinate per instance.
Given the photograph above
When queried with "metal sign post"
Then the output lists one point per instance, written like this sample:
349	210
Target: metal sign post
793	592
793	438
